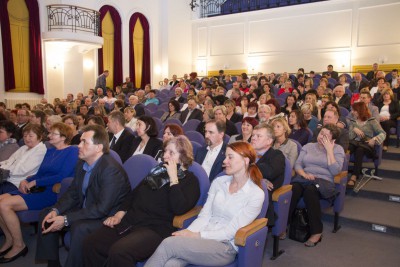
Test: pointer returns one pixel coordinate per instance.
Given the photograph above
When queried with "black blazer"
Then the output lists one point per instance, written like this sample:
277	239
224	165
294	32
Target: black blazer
217	166
196	114
123	146
393	109
344	101
181	99
230	128
108	185
153	146
272	167
333	74
236	118
353	86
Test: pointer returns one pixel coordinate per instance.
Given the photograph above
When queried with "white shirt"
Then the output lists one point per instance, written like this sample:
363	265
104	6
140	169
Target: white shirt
225	213
385	111
24	163
211	157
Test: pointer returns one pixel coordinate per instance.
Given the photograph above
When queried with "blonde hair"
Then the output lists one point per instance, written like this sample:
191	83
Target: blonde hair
282	120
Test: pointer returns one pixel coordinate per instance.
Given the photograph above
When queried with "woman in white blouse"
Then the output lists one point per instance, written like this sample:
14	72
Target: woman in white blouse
26	160
234	200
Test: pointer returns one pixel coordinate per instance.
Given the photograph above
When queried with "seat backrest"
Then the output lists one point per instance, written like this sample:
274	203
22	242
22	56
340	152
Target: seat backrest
204	182
173	121
116	156
195	146
137	167
191	125
310	136
226	138
238	126
299	146
195	136
158	122
288	172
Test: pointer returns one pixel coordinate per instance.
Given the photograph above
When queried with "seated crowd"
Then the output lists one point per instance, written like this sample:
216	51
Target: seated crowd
241	130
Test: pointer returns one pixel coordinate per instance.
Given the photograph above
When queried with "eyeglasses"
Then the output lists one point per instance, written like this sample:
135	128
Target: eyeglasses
52	133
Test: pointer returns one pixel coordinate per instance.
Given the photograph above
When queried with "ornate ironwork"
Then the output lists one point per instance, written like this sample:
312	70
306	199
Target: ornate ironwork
209	8
74	18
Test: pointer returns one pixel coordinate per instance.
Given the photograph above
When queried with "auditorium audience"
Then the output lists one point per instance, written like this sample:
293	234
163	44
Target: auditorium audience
317	163
35	191
248	125
213	232
364	132
173	111
298	127
147	141
72	121
145	216
290	104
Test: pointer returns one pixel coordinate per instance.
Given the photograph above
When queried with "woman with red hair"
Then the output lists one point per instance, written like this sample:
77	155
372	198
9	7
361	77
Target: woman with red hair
234	200
364	132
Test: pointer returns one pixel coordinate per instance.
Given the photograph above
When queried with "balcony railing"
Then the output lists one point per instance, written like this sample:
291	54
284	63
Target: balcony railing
74	18
209	8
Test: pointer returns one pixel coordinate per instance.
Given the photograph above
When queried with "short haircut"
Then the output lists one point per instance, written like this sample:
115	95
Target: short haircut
151	127
282	120
73	118
221	107
35	128
184	147
275	103
365	92
100	136
174	128
8	126
230	102
39	114
268	128
131	109
221	125
253	105
117	116
98	120
64	130
333	129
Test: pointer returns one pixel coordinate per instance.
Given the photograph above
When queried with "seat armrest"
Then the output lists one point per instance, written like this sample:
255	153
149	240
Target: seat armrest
179	220
280	191
339	177
56	188
244	232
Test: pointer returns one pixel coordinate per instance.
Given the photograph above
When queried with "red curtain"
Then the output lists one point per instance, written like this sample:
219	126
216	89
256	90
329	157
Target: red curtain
8	64
117	44
146	48
35	48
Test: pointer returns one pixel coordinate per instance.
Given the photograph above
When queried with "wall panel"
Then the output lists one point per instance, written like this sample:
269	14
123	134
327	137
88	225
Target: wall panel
227	39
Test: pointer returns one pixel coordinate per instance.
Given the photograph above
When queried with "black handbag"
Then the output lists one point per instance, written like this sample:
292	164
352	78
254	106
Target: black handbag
299	229
158	176
4	175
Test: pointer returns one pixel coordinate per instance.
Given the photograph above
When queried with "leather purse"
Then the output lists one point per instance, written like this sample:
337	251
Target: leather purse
158	176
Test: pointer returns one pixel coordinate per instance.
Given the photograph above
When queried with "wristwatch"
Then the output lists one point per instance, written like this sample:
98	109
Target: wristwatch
65	221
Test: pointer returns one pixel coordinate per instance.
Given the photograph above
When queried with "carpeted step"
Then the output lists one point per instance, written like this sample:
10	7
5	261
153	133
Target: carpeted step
386	190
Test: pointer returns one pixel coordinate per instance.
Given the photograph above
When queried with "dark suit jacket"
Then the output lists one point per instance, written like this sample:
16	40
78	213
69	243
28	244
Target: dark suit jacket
196	114
344	101
230	128
353	86
236	118
139	108
18	132
333	74
181	99
153	146
108	185
217	166
123	146
272	167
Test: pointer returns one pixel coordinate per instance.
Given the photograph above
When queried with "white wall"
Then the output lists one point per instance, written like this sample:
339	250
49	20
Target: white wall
339	32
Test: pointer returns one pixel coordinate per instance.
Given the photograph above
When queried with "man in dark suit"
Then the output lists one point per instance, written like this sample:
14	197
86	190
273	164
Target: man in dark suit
134	103
357	84
371	74
191	112
331	73
174	81
212	155
178	95
99	187
22	121
341	98
271	163
120	138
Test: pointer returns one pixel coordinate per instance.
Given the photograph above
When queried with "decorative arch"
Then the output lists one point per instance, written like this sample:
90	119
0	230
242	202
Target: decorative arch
117	55
35	48
134	64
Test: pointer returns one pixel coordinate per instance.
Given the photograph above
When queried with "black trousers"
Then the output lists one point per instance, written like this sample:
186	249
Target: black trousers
106	247
48	244
310	195
386	125
359	153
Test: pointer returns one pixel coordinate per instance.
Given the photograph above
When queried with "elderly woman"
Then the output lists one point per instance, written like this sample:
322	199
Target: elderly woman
130	118
316	167
282	141
388	113
312	121
248	125
173	111
212	234
25	161
145	216
72	121
364	132
170	131
298	126
147	141
8	145
35	192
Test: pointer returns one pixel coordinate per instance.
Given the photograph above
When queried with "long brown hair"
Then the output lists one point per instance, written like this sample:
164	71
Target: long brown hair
247	151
